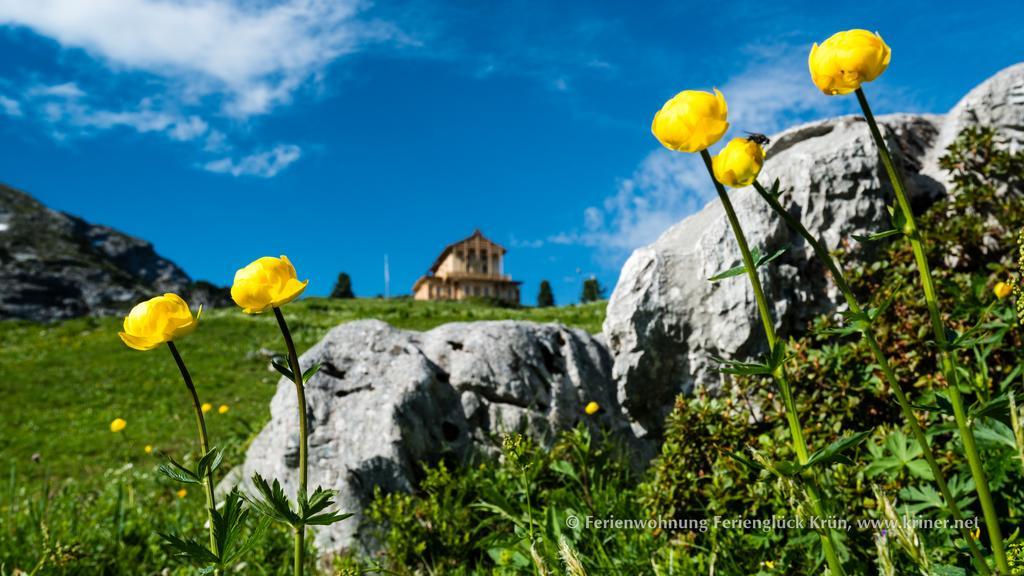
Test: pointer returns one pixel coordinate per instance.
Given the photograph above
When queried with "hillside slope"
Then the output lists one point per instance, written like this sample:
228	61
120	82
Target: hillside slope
55	266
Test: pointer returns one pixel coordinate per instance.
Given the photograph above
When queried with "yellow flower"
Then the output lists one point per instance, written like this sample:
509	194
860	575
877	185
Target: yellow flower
206	407
148	449
848	59
592	408
739	163
769	564
182	493
266	283
158	320
117	425
223	409
691	121
1002	290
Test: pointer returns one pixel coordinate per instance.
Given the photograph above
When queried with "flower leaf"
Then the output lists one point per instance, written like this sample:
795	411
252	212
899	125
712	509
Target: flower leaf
282	368
209	463
759	260
178	473
310	372
191	550
834	452
272	502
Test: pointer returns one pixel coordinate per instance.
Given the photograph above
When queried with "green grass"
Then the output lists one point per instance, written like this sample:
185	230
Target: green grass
63	383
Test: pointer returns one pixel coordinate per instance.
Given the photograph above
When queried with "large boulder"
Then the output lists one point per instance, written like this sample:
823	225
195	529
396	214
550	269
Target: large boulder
388	401
666	321
998	102
55	266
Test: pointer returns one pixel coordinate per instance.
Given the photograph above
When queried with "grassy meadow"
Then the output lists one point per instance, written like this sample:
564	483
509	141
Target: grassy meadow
63	383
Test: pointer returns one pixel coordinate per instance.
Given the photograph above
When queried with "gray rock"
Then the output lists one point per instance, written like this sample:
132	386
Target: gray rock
388	401
55	266
997	103
665	321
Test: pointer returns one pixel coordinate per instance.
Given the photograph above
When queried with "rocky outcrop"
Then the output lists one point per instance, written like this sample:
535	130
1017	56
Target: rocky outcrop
666	320
55	266
998	102
388	401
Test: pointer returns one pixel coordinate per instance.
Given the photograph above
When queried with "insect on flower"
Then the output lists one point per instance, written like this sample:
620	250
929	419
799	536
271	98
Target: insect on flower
758	138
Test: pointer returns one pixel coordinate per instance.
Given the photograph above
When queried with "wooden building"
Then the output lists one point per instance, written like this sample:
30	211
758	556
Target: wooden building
470	268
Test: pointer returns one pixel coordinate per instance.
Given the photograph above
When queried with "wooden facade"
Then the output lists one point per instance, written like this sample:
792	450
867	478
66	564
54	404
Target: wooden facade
470	268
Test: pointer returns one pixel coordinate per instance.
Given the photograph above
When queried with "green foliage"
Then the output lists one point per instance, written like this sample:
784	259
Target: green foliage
343	287
274	505
545	297
592	291
477	519
75	528
70	379
759	261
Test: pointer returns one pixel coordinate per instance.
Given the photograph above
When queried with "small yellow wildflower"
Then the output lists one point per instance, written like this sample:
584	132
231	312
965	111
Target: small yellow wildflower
691	121
848	59
182	493
1002	290
266	283
592	408
158	320
223	409
117	425
148	449
739	163
769	564
207	407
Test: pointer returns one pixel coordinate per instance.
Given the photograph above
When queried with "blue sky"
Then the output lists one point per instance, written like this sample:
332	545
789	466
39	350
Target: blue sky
340	131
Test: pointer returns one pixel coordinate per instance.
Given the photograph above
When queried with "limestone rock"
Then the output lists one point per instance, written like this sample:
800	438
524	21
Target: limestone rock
55	266
665	321
388	401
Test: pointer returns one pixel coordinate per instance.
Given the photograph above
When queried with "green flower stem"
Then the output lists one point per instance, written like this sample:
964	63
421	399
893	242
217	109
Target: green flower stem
796	430
869	336
300	393
204	441
946	356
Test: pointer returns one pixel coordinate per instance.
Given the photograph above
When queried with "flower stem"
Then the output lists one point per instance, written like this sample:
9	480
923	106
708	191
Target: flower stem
946	356
796	430
868	333
204	442
300	393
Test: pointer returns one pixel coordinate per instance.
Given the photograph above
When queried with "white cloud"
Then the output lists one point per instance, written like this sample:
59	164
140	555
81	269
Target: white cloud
66	110
9	106
262	164
255	55
664	188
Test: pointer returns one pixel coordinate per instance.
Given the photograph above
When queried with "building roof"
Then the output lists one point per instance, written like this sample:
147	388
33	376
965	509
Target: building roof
477	235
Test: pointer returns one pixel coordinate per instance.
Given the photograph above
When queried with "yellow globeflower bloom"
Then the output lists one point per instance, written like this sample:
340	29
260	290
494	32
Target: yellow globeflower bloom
182	493
1002	290
691	121
158	320
117	425
848	59
739	163
592	408
206	407
266	283
148	449
223	409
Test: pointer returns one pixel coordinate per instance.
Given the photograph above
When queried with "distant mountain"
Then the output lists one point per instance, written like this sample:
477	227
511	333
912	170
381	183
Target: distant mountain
55	266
